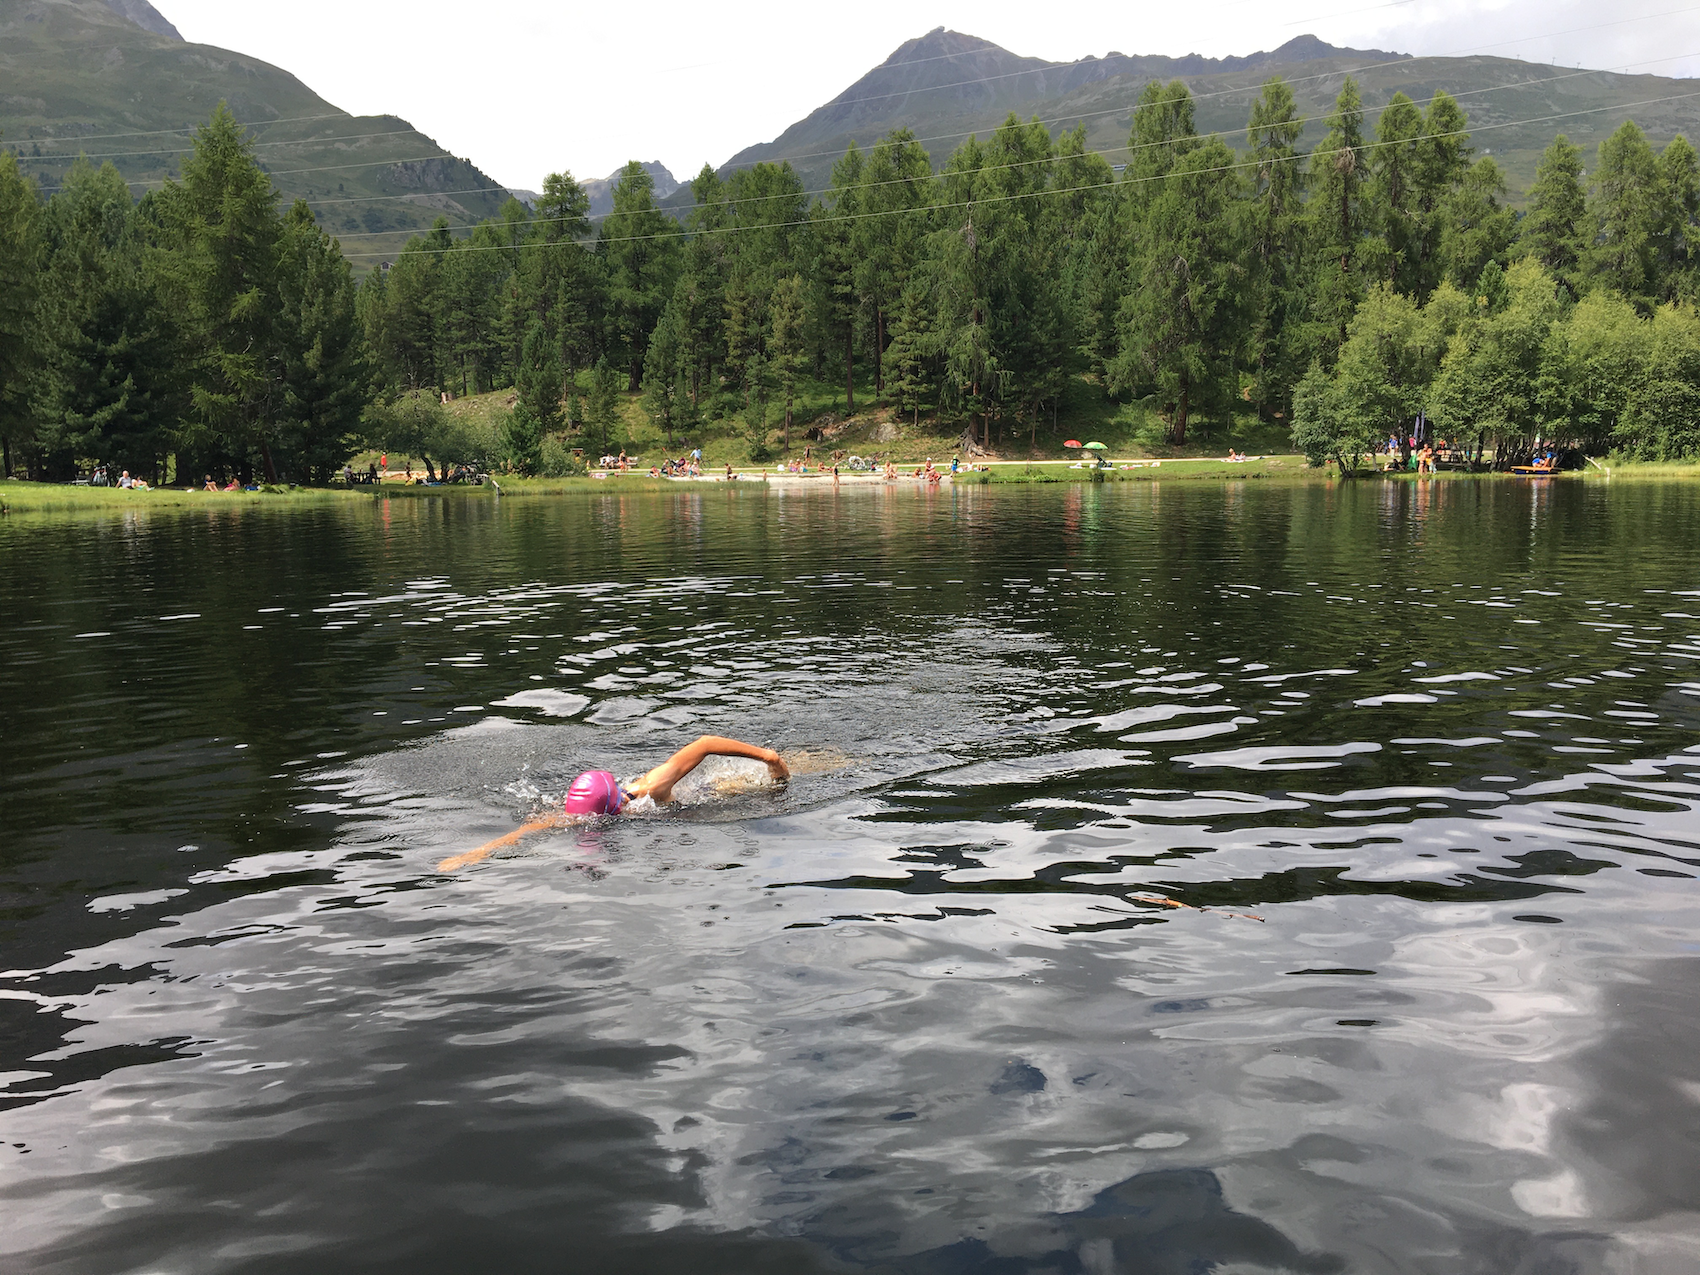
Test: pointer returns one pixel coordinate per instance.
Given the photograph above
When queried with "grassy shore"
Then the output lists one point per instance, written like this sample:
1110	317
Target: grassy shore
52	498
1197	468
22	497
1612	467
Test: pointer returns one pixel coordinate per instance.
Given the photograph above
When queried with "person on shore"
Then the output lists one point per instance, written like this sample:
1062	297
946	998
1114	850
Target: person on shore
210	485
124	479
597	793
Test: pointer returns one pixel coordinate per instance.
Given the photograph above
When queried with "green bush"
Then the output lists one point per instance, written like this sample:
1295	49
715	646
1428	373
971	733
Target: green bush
559	462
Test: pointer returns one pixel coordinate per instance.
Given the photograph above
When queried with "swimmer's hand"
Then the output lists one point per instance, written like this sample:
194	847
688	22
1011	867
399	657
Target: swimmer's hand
489	848
777	768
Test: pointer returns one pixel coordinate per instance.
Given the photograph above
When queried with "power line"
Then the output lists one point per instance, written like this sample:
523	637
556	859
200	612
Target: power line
804	194
425	194
326	168
946	137
189	128
1303	79
1071	190
184	150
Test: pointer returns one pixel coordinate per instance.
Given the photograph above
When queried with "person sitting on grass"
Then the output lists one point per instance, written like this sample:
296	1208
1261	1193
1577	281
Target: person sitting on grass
598	792
210	485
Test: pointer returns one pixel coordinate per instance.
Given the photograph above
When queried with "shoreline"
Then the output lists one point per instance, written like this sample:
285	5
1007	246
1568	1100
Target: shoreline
18	497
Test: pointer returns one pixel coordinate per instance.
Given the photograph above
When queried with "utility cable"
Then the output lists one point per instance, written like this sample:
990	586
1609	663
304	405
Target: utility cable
1102	154
1036	194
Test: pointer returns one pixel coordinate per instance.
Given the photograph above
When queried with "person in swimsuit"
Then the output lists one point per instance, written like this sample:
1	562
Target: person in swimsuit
597	792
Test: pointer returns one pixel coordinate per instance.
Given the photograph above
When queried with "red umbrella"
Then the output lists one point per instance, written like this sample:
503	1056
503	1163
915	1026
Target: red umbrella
1073	442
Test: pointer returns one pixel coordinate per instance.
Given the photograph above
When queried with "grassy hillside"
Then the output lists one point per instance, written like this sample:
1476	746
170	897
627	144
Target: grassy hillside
874	429
946	85
77	77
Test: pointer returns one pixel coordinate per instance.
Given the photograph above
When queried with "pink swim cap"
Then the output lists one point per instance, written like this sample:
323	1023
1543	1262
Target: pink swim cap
596	792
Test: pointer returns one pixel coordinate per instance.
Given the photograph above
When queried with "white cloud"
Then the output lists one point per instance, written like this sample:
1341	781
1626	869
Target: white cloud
527	87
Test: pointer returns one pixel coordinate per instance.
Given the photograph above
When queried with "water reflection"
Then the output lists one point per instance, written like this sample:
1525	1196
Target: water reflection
1182	879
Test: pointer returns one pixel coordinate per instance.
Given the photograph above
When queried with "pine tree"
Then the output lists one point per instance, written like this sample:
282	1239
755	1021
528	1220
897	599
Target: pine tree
1475	226
1274	340
640	245
1336	216
1554	230
911	346
113	392
894	193
785	343
663	369
538	385
1392	209
1677	232
1623	211
603	402
835	270
227	230
522	440
1180	322
1442	166
20	347
324	373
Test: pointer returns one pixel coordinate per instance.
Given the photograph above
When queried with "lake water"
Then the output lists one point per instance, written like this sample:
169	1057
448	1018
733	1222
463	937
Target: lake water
1175	878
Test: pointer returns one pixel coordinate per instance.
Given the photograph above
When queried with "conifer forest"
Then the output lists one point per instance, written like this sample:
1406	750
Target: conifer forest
1338	293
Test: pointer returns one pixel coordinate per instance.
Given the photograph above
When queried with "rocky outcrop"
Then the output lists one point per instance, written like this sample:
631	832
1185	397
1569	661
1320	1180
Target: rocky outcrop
145	16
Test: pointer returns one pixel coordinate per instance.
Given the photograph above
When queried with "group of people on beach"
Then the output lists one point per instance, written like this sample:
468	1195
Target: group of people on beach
685	467
100	476
1422	453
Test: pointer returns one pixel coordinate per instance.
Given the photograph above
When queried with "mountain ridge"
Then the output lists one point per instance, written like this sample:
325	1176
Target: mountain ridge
95	77
1004	79
601	189
945	86
145	16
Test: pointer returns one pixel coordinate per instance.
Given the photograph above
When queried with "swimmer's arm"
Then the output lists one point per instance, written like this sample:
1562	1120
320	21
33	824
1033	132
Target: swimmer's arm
658	783
490	847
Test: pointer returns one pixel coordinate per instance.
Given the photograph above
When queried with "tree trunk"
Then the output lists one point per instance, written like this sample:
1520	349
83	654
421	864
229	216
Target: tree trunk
788	401
635	377
1177	429
879	352
430	473
850	369
266	457
5	457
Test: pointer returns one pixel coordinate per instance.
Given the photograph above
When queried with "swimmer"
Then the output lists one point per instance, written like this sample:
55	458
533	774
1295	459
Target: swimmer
597	792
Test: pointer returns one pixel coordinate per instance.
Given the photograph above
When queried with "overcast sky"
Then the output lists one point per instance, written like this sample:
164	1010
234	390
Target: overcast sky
528	87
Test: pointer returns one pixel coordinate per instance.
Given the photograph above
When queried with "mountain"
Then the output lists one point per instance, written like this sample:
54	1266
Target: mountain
946	85
145	16
601	190
115	80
